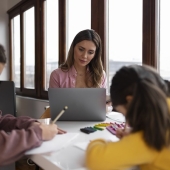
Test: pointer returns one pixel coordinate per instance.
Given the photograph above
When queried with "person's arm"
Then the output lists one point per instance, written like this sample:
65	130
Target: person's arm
54	80
14	144
123	154
9	122
120	133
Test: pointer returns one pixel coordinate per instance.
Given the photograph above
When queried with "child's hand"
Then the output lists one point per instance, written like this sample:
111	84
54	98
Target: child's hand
60	131
49	131
120	133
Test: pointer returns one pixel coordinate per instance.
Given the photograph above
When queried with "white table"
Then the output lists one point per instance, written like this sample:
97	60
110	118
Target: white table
71	157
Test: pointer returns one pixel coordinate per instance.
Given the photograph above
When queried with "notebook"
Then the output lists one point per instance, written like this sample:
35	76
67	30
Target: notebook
84	104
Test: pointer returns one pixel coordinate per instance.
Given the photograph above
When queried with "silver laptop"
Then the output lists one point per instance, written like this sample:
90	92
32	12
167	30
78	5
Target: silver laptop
84	104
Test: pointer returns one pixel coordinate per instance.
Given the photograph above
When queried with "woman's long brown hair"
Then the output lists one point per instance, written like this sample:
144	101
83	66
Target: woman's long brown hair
95	66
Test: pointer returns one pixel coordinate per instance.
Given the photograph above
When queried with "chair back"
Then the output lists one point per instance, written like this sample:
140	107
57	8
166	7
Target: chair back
46	113
7	98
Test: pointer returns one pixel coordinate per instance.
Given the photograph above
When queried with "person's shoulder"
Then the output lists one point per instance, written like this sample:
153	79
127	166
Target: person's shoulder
57	71
136	137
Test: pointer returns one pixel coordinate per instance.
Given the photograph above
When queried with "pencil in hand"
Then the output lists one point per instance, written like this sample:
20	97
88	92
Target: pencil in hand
59	115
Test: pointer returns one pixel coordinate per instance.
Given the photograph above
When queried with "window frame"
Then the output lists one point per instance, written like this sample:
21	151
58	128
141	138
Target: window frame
150	34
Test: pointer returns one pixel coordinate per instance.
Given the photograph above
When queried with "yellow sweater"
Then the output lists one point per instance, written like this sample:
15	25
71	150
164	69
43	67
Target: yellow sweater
128	152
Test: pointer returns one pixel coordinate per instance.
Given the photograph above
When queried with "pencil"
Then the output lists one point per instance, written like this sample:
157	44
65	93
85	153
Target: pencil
59	115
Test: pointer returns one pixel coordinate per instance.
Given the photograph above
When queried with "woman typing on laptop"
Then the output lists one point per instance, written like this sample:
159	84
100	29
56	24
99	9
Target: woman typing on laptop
83	67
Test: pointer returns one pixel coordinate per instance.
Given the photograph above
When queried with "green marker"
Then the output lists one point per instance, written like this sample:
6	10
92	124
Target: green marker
98	128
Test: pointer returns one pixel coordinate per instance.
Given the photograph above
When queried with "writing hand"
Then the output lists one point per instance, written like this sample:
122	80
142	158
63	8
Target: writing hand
120	133
48	131
60	131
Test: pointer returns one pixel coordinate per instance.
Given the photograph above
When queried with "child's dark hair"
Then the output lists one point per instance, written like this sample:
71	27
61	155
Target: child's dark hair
148	111
2	55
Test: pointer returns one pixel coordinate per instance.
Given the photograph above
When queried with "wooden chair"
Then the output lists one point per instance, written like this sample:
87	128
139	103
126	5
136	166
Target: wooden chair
46	113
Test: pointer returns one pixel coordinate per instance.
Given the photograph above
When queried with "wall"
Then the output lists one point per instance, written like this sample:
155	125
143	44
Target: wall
4	32
25	106
11	3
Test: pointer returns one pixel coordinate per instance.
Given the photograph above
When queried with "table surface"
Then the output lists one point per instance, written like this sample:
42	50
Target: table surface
71	157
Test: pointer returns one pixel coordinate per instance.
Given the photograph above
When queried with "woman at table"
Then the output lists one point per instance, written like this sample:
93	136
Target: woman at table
17	135
83	67
140	94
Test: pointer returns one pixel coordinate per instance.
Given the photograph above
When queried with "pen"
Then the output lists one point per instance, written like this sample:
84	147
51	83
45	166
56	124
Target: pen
58	116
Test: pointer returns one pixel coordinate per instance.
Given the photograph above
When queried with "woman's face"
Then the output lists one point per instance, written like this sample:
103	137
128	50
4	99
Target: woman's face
84	52
2	65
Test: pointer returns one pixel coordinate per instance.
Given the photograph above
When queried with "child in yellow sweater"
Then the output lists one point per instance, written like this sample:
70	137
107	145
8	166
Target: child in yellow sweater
140	94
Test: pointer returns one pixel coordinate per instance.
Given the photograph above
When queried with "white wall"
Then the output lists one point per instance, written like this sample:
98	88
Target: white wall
11	3
4	34
5	5
25	106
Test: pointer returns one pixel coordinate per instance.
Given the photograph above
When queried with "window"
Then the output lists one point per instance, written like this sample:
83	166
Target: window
41	44
41	32
15	32
78	18
51	38
164	39
29	48
23	50
125	34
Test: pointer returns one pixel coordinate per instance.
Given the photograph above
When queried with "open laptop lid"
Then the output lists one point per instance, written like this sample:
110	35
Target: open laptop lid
84	104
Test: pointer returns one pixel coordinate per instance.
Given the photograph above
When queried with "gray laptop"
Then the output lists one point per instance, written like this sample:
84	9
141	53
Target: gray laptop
84	104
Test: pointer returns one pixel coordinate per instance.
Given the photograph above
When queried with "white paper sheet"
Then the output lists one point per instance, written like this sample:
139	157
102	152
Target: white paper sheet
82	145
57	143
116	116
